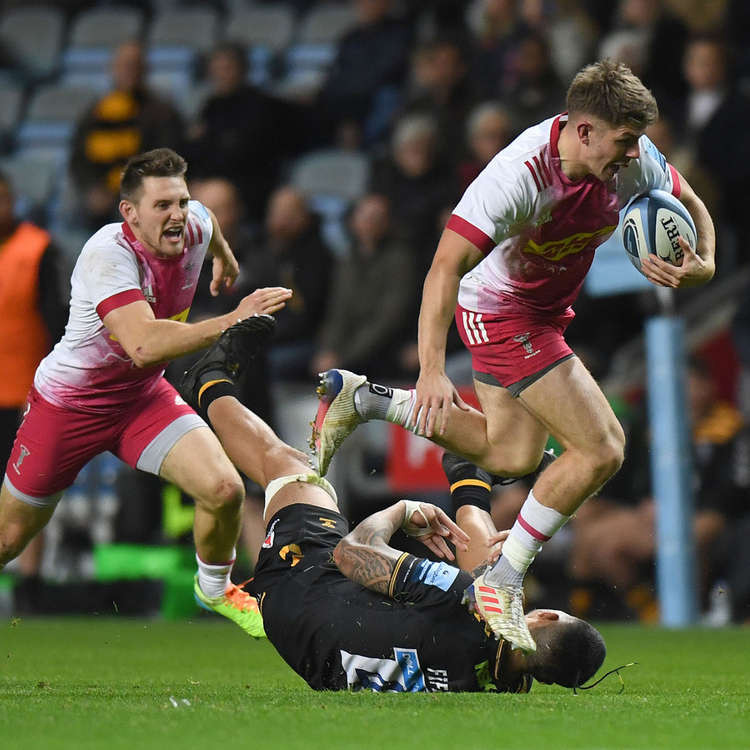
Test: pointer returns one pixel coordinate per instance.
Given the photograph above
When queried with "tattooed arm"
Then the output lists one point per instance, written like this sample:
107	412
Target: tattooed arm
365	556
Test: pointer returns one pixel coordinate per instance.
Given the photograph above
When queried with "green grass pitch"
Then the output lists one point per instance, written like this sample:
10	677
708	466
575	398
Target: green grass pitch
123	683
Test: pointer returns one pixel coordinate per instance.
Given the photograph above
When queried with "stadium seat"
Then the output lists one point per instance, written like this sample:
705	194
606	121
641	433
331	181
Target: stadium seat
11	99
315	47
338	174
174	85
176	35
52	114
266	31
33	38
96	32
332	180
34	178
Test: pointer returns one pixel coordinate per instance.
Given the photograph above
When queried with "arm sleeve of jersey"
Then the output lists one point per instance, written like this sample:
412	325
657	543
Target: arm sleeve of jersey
199	228
492	206
655	172
419	581
111	278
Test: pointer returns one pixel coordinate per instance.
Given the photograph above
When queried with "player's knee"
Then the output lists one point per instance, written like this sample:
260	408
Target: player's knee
11	546
227	493
510	464
609	455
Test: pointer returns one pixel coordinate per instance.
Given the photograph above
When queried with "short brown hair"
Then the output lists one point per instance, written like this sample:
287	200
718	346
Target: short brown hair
160	162
610	91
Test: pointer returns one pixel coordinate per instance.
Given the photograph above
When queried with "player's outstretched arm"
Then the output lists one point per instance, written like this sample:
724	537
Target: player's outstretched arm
148	340
365	556
454	257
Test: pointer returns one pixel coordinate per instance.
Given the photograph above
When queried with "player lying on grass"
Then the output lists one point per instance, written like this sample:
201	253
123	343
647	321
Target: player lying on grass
346	610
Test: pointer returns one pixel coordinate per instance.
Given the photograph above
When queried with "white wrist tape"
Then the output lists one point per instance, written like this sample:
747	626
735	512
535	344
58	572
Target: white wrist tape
276	484
412	507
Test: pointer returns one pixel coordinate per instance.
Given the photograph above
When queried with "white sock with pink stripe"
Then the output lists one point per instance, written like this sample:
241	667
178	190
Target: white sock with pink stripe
535	525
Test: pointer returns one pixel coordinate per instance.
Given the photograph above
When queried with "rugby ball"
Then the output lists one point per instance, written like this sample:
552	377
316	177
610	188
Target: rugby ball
651	223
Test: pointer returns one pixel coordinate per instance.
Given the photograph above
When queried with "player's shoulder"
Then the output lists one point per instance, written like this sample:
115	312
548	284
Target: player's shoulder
106	248
525	159
199	224
650	152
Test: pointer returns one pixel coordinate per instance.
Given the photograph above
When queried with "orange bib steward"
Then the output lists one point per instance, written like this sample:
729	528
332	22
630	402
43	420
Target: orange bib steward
22	330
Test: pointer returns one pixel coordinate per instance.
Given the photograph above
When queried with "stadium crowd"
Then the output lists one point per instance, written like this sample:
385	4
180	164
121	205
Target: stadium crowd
332	140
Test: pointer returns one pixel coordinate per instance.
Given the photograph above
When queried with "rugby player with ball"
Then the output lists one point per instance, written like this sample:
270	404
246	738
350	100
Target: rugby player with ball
509	266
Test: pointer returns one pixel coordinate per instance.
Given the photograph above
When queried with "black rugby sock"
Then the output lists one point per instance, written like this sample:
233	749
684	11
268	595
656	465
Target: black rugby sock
213	389
469	484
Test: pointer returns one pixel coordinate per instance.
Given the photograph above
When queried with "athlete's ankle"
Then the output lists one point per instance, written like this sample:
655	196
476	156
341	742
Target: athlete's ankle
213	578
374	401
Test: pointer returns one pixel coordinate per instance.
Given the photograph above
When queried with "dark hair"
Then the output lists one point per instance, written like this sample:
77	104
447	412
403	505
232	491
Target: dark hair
610	91
236	51
568	652
160	162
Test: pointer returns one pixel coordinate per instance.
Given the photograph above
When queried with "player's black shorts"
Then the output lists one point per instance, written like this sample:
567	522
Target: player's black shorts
321	622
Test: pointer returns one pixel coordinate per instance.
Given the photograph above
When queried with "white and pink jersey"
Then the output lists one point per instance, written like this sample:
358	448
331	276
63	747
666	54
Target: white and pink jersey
537	228
88	369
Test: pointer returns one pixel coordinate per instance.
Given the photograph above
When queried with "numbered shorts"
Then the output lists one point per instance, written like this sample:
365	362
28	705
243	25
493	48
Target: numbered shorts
513	352
54	443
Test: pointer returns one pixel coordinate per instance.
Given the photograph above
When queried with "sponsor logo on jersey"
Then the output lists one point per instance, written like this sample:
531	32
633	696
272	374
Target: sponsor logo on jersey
328	523
543	218
402	674
436	574
268	541
292	553
558	249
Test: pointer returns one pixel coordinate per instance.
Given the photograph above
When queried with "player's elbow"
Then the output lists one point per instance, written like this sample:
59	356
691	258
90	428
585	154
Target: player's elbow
141	360
342	553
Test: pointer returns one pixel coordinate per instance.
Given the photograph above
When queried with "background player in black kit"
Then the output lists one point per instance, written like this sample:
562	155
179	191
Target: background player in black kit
346	610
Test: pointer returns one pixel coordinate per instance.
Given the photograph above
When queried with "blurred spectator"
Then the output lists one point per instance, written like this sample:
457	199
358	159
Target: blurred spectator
364	83
291	253
496	27
533	91
126	121
650	40
709	116
683	158
569	31
33	312
488	130
371	296
441	88
417	184
242	134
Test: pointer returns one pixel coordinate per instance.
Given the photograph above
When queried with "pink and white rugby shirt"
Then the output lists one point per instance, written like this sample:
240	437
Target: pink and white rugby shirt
88	369
537	228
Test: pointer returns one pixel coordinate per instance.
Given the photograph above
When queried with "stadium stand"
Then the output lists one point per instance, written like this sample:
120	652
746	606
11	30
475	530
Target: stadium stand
266	31
33	38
